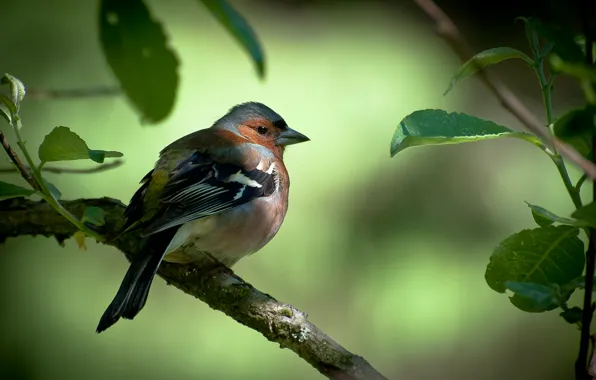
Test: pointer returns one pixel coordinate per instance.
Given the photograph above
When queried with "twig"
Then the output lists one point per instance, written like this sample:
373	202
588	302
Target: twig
40	94
97	169
581	372
449	31
221	289
18	163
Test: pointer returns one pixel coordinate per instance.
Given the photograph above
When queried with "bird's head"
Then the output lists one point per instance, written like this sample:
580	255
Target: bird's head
261	125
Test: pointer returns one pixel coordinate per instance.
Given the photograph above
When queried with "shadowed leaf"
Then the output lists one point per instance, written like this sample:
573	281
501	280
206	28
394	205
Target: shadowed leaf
586	214
534	297
135	47
545	218
8	190
17	89
577	128
240	29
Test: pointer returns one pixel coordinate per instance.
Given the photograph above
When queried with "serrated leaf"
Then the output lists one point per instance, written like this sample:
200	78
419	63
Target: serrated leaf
80	239
437	127
533	297
64	145
8	190
137	51
573	315
483	59
240	29
545	218
577	128
94	215
53	190
17	89
586	214
544	256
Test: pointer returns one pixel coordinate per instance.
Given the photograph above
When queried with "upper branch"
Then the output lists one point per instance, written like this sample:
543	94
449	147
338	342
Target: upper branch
221	289
447	29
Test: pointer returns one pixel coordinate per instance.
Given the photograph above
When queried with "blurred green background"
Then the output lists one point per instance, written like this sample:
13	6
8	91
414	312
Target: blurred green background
387	256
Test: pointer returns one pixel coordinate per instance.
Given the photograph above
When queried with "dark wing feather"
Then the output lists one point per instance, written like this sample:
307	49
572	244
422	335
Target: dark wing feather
200	187
134	210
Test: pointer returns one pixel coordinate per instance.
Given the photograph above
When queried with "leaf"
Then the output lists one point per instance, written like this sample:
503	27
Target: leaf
136	50
534	297
562	39
64	145
5	113
239	28
579	70
53	190
94	215
577	128
8	190
7	108
586	214
17	89
483	59
437	127
80	239
573	315
544	256
545	218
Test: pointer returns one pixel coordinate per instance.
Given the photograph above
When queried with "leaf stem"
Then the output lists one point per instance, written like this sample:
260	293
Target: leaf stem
38	183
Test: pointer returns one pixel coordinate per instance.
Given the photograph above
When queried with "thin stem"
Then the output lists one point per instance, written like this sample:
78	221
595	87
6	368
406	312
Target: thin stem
41	185
580	182
571	189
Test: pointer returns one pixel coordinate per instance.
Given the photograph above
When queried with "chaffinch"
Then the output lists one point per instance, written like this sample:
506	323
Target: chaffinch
224	189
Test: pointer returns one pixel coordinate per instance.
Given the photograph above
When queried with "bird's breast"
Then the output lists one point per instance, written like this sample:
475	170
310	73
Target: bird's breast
230	235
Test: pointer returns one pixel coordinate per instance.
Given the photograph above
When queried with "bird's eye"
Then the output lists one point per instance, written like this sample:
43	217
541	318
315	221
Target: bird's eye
262	130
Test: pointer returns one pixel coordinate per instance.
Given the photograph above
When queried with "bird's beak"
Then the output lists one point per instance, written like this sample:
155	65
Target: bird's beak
289	137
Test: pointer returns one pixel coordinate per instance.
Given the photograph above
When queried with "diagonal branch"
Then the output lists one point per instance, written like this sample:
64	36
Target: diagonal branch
17	162
221	289
447	29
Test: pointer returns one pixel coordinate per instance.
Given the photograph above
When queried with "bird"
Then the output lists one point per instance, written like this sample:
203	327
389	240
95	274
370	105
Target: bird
223	189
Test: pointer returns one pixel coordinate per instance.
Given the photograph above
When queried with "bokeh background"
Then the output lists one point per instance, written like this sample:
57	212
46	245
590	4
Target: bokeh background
385	255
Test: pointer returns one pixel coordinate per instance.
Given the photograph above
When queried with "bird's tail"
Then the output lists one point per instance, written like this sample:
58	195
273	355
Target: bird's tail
133	291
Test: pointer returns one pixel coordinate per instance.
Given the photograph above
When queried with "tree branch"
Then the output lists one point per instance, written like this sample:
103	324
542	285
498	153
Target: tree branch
91	92
447	29
96	169
221	289
18	163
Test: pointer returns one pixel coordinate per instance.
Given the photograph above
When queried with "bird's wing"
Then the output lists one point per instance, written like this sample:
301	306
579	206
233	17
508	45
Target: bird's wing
199	187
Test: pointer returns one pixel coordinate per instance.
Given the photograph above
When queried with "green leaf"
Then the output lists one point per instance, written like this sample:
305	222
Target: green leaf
544	256
562	39
64	145
53	190
586	214
579	70
136	49
8	190
577	128
17	89
239	28
94	215
437	127
534	297
545	218
573	315
483	59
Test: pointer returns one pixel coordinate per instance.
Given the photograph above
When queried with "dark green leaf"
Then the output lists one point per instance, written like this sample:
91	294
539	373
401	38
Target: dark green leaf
577	128
64	145
8	190
17	89
578	283
545	256
94	215
53	190
136	49
239	28
587	214
483	59
437	127
573	315
545	218
533	297
562	39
